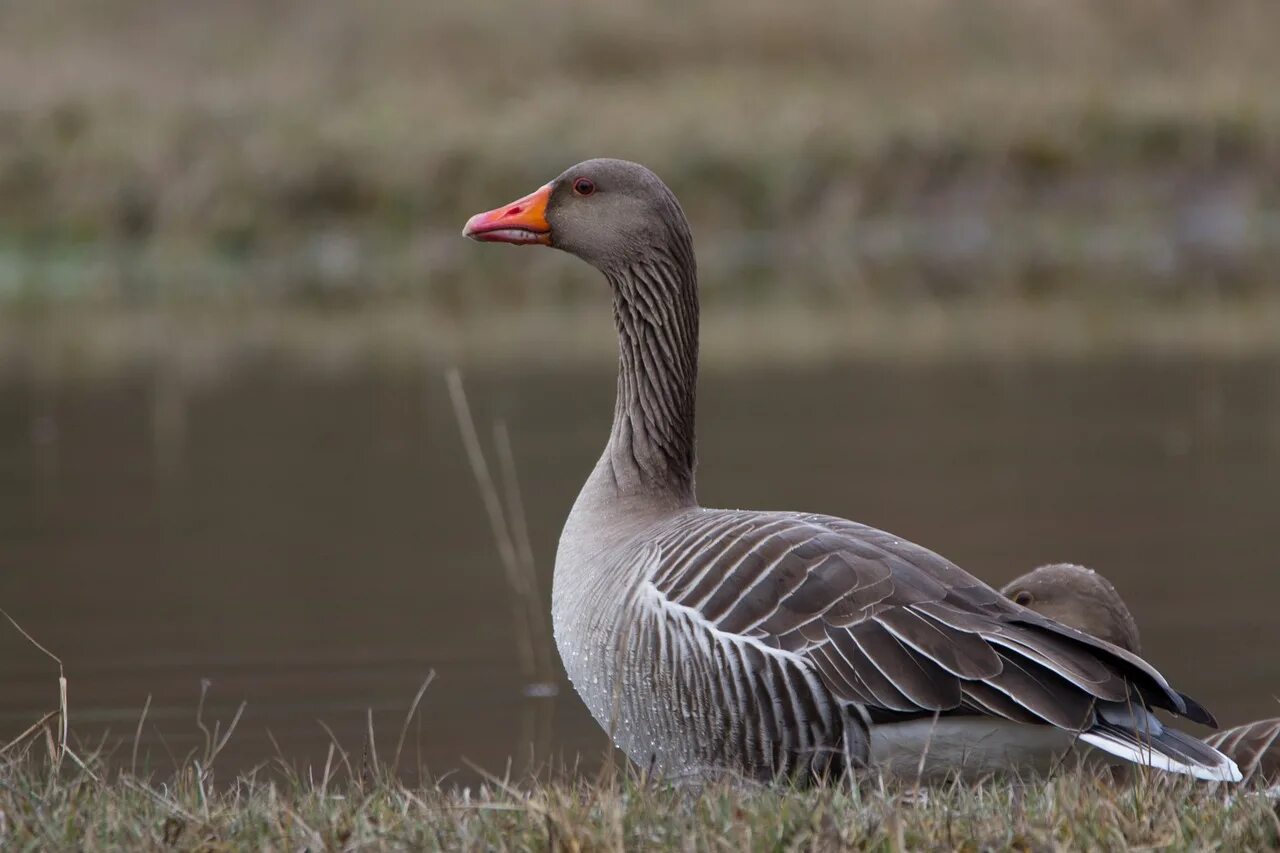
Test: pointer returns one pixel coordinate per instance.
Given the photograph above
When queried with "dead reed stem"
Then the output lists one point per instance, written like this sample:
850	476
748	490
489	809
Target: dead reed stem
404	729
137	737
530	590
511	536
63	723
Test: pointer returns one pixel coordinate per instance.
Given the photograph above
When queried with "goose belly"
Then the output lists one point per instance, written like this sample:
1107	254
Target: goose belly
679	700
972	746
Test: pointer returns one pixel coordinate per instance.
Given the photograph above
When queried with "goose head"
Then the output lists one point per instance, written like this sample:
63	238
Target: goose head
1079	597
610	213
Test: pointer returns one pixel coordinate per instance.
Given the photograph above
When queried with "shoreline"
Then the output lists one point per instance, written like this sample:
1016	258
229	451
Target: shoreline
214	341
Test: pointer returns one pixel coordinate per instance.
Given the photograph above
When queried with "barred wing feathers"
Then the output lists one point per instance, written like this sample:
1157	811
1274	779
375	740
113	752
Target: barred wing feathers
899	632
1254	746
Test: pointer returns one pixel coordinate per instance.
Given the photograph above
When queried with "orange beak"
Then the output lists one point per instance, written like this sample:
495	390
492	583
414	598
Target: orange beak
521	221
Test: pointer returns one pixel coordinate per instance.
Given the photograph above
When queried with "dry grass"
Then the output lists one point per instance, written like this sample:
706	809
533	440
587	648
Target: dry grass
340	807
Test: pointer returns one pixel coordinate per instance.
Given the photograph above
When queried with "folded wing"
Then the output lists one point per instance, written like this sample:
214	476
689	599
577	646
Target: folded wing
900	632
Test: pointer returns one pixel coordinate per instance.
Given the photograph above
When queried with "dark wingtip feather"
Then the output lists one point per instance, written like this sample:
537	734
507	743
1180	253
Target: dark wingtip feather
1197	713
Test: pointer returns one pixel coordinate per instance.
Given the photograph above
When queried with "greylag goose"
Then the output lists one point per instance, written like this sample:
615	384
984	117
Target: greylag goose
711	641
1082	598
1079	597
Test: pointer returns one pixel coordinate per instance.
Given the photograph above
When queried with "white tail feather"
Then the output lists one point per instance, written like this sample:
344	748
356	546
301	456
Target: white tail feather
1227	771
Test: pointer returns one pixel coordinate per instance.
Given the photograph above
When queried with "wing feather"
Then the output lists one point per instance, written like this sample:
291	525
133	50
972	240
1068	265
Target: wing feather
837	677
1040	691
961	653
926	684
987	698
858	669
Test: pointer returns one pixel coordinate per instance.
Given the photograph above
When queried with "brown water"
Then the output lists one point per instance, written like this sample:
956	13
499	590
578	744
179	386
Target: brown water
314	544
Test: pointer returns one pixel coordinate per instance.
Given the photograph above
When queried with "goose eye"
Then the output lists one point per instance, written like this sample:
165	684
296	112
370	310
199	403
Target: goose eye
584	186
1024	598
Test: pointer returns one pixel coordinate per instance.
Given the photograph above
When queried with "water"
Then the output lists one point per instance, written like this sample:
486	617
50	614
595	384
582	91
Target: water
313	543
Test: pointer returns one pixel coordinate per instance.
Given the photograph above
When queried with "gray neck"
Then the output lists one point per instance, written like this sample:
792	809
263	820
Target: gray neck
651	449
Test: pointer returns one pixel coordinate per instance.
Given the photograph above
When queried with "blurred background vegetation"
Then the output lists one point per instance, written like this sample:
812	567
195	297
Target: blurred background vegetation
922	171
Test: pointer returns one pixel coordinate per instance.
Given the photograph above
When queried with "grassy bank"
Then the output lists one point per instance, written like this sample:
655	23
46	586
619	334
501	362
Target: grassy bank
92	808
57	792
322	151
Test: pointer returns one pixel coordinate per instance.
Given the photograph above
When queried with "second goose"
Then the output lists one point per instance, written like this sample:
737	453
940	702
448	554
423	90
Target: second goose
1084	599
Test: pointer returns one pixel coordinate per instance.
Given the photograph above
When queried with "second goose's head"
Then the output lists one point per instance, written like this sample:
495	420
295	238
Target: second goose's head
1079	597
611	213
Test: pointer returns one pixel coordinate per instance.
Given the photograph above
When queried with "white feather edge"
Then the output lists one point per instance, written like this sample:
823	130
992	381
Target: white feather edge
1227	772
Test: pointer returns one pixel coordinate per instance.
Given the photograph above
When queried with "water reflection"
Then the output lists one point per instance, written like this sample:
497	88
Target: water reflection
315	544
